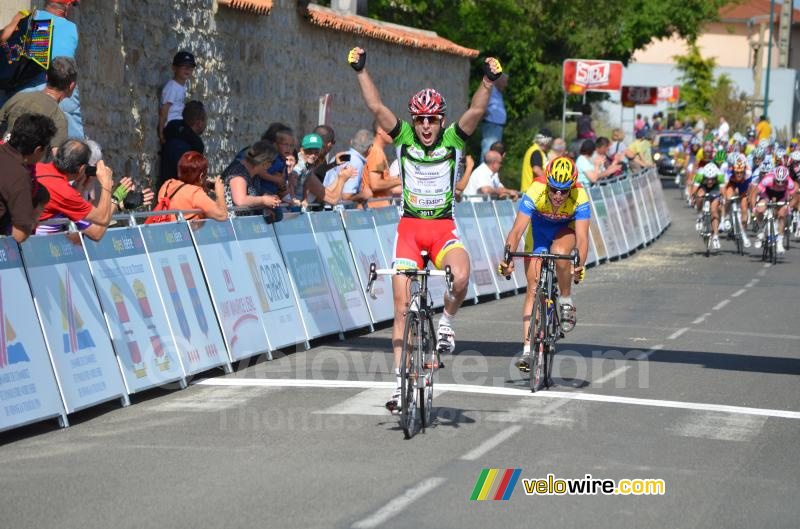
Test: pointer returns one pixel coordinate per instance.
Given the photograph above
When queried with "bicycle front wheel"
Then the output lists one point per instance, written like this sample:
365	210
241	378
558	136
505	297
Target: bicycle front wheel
538	339
409	412
430	365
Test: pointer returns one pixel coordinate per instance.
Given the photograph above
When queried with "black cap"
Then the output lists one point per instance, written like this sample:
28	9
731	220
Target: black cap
183	58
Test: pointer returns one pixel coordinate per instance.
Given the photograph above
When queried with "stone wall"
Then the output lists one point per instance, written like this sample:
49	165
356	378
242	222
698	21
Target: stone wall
252	70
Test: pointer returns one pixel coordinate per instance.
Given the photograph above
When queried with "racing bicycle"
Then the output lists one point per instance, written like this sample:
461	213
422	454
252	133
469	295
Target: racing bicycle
545	328
769	248
735	217
421	357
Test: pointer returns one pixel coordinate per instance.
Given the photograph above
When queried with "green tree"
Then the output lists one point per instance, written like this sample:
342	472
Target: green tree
697	82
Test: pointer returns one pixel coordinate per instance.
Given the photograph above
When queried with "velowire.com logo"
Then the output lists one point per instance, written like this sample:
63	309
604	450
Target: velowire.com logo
496	484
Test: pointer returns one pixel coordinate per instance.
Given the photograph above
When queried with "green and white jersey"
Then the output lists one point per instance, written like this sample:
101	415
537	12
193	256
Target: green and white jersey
428	175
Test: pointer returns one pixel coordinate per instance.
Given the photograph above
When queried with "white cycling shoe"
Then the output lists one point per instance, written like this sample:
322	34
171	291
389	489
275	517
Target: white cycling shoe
445	339
393	404
746	241
779	245
715	243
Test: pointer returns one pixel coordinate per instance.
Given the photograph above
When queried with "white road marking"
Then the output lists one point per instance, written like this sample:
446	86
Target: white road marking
610	376
546	415
752	283
646	354
721	304
719	426
491	443
677	334
738	292
750	334
512	392
395	506
701	319
367	402
761	273
767	265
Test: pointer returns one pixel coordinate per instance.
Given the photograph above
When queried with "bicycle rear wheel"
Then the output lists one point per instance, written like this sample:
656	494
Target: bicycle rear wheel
409	369
538	339
737	232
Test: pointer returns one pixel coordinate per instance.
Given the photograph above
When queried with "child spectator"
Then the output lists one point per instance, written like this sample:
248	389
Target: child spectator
173	95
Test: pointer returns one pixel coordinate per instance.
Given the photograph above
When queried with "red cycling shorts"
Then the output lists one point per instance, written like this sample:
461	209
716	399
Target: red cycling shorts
435	236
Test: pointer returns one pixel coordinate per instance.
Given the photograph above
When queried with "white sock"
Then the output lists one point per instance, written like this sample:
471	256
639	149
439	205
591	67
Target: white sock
446	319
397	376
566	300
526	349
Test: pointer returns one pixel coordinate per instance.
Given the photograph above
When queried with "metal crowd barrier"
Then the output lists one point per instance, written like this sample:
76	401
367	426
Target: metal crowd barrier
86	322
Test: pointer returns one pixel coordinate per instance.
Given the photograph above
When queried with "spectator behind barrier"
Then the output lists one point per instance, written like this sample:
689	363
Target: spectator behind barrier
61	78
64	43
182	136
608	165
71	165
314	193
125	195
188	191
28	142
485	179
242	176
173	95
376	170
353	190
558	148
275	180
500	147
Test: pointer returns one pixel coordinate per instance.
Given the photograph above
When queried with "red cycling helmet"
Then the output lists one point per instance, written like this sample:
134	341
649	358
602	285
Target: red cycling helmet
427	102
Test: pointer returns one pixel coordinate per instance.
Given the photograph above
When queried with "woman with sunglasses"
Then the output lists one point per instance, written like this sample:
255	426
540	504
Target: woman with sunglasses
557	208
429	153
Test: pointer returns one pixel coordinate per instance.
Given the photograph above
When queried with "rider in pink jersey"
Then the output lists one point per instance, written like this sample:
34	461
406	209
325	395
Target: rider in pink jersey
776	186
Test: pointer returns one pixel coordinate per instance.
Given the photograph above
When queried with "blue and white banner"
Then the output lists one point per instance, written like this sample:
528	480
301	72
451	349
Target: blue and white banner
187	302
506	215
645	214
231	287
616	219
75	330
493	241
133	308
481	271
366	249
606	224
276	298
626	216
308	275
340	269
28	390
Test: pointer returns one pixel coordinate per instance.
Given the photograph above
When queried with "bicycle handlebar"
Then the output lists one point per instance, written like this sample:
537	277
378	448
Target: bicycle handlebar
572	256
374	272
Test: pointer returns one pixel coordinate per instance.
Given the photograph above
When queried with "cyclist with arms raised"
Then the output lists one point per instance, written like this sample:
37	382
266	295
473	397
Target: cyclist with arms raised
558	210
429	154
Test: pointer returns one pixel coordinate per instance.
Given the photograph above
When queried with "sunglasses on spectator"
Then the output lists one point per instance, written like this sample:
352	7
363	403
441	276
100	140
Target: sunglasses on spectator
419	120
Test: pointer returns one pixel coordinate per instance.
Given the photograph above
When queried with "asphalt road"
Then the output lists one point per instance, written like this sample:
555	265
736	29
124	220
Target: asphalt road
682	368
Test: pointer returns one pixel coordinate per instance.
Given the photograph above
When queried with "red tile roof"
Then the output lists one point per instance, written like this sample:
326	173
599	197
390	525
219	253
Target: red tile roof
415	38
743	10
259	7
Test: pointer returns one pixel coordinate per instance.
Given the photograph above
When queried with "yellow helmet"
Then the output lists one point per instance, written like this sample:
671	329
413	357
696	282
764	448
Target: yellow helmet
561	173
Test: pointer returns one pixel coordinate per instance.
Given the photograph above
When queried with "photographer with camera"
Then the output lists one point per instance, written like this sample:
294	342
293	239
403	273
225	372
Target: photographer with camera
65	178
190	191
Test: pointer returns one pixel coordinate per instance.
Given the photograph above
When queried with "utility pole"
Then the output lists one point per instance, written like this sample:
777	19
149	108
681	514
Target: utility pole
769	56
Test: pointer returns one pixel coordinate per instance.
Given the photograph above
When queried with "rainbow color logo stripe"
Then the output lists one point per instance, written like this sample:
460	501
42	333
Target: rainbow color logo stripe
496	484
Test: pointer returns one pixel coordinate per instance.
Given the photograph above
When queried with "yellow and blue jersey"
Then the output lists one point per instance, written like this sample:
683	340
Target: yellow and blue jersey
536	204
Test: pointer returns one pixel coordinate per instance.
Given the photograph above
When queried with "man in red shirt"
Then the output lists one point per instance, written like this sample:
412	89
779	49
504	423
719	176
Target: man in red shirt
72	164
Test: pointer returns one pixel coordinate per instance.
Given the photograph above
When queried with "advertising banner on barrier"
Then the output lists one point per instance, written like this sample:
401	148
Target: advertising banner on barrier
28	390
598	238
616	219
231	287
308	276
386	220
493	240
186	299
75	331
276	299
591	253
634	206
134	312
481	271
506	213
632	233
340	268
367	249
654	206
658	189
646	216
610	237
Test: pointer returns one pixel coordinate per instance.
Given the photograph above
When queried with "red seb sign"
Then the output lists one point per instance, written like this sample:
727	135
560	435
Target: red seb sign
581	76
639	95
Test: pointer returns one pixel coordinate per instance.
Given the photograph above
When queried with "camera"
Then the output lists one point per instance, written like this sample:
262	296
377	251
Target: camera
342	158
91	170
133	200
